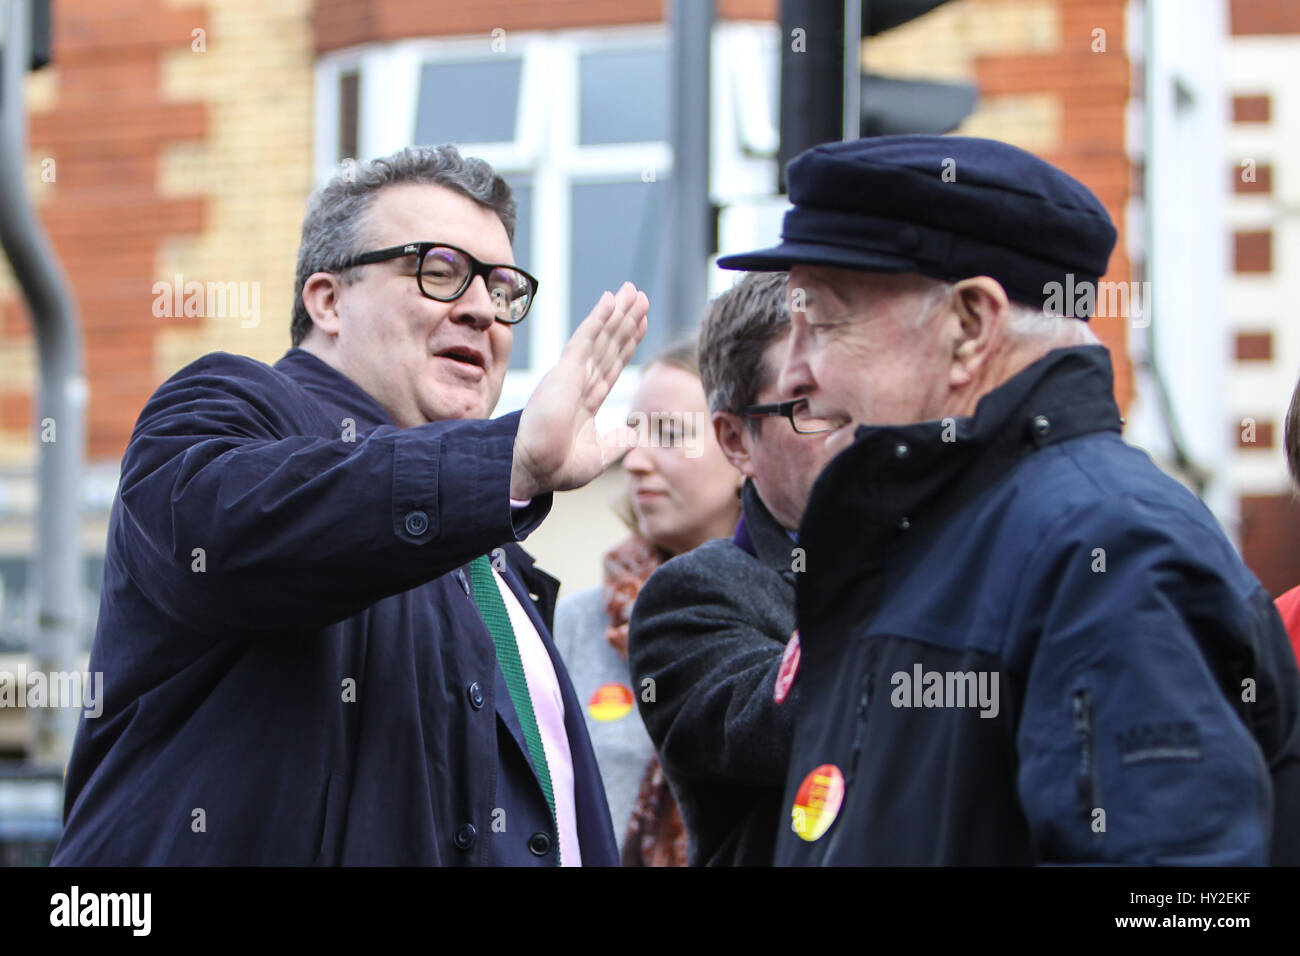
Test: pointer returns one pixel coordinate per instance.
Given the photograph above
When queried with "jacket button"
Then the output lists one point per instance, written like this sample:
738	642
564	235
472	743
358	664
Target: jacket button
475	693
901	450
539	843
466	834
1042	426
904	524
417	523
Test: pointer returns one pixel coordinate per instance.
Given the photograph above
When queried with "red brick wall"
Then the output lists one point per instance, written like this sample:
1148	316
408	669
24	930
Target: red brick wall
1252	251
1270	531
1270	525
1254	346
1093	88
1256	108
344	23
105	217
1254	17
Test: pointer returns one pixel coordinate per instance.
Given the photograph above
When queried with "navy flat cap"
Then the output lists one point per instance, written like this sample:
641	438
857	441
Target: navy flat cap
949	207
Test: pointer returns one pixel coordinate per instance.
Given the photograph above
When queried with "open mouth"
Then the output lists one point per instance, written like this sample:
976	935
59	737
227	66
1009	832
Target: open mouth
465	356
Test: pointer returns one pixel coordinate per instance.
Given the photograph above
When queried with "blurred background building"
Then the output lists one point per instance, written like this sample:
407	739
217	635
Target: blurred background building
172	143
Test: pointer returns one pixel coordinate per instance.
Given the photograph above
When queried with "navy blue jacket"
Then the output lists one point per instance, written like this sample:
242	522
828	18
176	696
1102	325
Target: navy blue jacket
294	669
1148	702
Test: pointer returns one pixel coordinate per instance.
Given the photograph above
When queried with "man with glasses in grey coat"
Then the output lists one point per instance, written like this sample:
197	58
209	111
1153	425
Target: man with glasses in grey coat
712	629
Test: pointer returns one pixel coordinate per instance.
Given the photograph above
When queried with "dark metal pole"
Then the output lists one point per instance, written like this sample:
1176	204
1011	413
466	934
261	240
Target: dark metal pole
852	125
61	409
689	227
812	77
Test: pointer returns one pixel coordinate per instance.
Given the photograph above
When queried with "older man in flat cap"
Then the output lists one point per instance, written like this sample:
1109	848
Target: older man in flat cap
1020	641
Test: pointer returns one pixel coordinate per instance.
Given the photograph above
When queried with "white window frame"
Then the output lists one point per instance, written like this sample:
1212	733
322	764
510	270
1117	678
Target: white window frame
546	147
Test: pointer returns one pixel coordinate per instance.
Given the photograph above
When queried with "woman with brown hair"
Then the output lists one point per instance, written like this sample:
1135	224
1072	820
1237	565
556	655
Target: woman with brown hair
681	492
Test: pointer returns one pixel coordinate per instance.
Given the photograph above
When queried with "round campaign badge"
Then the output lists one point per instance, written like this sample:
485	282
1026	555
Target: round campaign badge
610	701
789	667
817	802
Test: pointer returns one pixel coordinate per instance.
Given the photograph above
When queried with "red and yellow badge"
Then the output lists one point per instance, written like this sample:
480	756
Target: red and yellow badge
789	667
817	802
610	701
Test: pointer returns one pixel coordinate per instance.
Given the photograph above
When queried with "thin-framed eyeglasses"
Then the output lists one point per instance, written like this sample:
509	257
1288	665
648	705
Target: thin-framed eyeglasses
443	273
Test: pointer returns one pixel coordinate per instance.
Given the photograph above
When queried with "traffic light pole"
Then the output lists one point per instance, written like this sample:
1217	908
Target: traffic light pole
688	232
58	563
812	77
852	126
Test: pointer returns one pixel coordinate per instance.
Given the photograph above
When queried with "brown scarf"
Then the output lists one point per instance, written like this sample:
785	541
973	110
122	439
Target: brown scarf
655	834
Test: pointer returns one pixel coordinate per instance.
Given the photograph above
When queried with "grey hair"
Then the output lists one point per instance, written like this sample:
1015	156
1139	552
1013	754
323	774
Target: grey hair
1026	324
333	231
1034	324
738	327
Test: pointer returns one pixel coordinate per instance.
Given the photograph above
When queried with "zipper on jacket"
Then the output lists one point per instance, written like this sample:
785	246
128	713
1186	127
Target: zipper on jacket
1086	782
864	699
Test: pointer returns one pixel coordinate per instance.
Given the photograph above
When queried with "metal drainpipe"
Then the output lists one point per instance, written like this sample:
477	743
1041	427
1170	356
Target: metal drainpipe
58	565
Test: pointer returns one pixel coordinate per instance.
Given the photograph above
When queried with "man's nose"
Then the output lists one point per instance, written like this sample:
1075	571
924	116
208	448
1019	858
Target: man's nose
475	306
795	378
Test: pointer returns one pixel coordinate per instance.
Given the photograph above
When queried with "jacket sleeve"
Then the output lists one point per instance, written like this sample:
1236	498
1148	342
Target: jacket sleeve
714	662
1149	674
232	520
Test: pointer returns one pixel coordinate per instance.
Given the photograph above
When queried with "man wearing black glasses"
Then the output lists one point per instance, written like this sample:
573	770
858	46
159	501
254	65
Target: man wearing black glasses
712	627
320	641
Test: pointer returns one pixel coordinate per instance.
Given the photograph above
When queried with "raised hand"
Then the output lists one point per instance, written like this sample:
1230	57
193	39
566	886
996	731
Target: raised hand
557	447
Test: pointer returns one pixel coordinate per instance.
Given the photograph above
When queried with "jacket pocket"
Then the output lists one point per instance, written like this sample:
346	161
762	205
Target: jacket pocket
1087	798
331	821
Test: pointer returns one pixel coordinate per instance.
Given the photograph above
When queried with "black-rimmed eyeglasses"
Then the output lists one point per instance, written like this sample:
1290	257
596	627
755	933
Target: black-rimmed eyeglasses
796	409
444	272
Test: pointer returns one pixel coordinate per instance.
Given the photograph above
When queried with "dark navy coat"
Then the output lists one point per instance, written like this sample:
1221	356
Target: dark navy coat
1148	702
294	669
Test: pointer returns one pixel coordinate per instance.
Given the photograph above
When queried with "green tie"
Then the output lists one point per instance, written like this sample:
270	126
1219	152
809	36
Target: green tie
497	618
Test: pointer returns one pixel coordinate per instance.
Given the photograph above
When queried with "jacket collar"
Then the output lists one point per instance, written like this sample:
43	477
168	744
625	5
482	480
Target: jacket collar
896	482
762	535
338	394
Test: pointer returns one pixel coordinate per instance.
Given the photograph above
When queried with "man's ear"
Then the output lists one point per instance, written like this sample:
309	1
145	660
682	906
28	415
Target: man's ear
733	438
320	296
981	308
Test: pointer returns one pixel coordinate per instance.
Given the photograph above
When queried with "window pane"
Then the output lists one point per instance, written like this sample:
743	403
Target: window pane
616	234
472	102
523	249
624	95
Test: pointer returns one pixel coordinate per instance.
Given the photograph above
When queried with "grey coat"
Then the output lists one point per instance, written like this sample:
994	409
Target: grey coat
622	746
709	627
